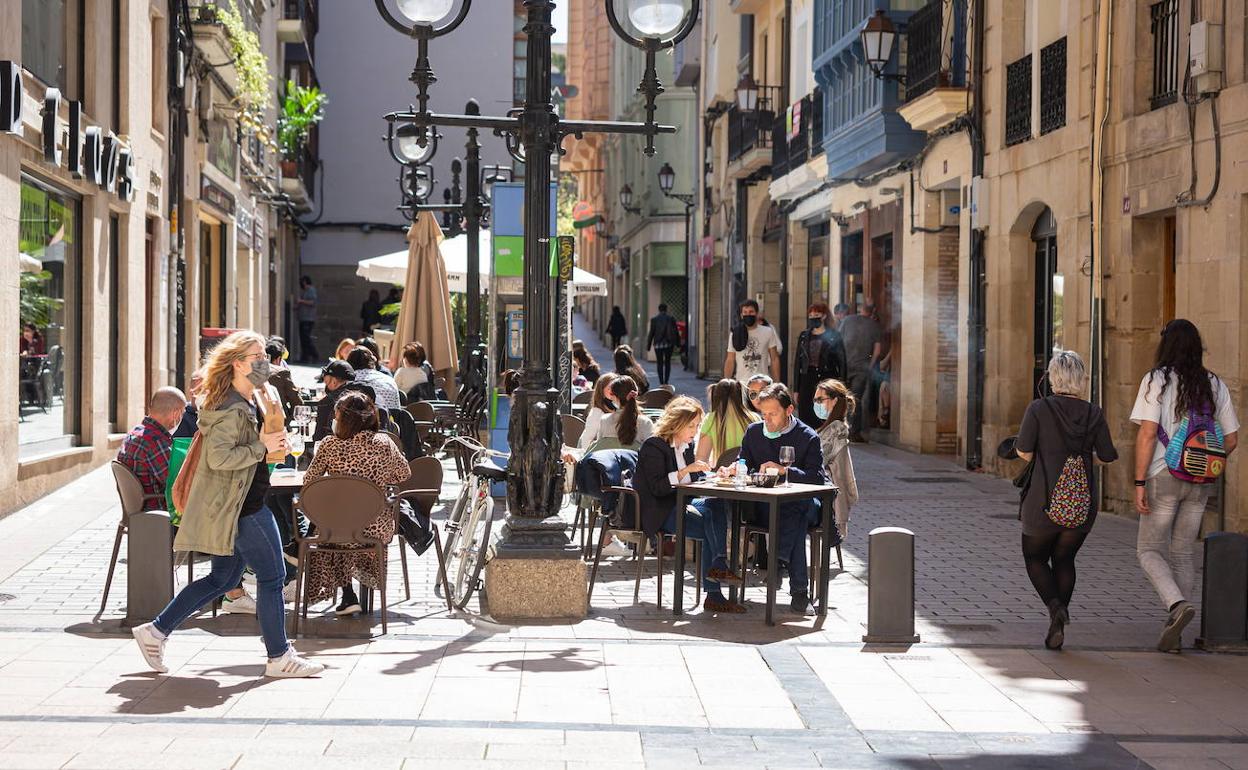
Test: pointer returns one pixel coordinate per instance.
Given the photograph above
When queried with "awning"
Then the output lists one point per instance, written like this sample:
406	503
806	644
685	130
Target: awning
392	268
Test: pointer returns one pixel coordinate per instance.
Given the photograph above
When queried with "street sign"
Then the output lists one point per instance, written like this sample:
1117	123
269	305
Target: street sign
566	247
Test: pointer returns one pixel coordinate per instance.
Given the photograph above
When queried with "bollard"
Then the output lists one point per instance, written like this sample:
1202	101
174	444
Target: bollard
1224	594
890	587
149	566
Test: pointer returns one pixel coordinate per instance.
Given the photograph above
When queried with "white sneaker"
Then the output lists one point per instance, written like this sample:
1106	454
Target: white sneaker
243	605
616	548
289	591
152	645
291	666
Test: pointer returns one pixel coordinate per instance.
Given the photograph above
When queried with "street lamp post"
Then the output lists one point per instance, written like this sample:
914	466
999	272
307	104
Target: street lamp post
667	180
534	133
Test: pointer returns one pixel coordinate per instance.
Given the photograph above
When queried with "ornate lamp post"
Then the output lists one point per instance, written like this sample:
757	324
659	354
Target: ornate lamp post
878	36
534	133
667	179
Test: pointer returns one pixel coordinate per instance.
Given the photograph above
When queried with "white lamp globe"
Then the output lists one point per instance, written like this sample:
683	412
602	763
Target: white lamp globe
656	18
425	12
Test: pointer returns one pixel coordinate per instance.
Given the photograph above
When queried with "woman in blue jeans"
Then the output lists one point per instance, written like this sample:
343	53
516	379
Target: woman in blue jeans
225	514
665	460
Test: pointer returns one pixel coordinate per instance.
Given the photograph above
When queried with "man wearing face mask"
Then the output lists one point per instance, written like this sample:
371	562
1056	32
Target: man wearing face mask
754	347
760	448
820	356
339	377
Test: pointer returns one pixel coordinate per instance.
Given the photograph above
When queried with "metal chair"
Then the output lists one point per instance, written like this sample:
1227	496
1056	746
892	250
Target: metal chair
728	457
130	490
422	489
670	388
585	397
573	427
641	543
341	508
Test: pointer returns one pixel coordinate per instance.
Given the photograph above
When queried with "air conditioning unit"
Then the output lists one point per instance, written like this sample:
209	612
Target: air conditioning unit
1205	56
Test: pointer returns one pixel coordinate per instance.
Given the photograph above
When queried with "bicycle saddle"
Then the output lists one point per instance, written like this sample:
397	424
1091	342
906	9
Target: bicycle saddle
490	471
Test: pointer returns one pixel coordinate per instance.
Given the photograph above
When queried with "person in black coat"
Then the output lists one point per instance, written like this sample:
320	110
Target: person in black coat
666	459
820	356
616	327
664	338
760	448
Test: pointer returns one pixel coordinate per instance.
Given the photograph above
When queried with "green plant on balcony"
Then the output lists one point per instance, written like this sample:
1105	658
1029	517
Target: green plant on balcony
252	90
302	109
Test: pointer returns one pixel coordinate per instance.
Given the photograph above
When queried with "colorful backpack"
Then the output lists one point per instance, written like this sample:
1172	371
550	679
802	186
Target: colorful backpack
1070	500
1195	453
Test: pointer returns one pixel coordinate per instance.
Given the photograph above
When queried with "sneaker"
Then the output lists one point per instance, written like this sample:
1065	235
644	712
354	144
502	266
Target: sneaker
616	548
801	604
289	591
291	666
1172	636
152	644
243	605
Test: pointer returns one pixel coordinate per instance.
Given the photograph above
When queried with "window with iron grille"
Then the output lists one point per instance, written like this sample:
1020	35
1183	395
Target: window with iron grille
1018	101
1165	24
1053	86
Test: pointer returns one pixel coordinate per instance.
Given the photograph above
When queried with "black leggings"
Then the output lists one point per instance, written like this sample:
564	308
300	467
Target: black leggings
663	359
1050	561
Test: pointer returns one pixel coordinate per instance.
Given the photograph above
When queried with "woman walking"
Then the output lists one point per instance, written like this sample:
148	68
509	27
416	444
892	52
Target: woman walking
820	356
616	327
833	405
1062	433
1179	399
225	514
627	365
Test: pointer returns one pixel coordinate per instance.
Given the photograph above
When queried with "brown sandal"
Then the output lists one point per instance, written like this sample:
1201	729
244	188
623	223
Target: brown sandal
711	604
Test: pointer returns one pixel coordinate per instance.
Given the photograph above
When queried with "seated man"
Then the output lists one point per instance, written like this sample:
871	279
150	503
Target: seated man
364	363
145	450
760	448
281	380
339	378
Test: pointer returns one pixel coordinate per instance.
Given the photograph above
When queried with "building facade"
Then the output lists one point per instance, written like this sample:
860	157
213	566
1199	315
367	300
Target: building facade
136	209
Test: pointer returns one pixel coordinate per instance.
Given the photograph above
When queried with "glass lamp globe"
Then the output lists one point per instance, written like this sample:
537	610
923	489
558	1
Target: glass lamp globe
407	138
656	18
425	12
667	178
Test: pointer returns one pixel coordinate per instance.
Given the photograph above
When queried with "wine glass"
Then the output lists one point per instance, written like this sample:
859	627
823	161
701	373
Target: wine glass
295	440
786	459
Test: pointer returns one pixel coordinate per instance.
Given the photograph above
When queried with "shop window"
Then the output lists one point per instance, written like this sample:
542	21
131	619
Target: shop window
52	43
49	318
212	287
1047	321
817	254
114	322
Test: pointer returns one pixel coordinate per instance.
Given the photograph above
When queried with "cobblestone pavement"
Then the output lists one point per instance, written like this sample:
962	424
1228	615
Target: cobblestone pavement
632	685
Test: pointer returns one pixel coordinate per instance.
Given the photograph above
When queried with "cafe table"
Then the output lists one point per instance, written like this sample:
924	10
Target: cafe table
772	498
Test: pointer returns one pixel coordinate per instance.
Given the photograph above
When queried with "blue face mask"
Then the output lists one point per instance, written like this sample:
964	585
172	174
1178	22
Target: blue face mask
821	410
772	434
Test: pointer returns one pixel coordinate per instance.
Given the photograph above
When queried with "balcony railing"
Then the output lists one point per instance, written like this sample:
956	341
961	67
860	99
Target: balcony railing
750	129
936	47
1053	86
791	148
1165	24
1018	101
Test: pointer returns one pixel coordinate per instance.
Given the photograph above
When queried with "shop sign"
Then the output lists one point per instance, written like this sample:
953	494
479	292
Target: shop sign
216	196
793	121
90	152
243	228
258	228
705	253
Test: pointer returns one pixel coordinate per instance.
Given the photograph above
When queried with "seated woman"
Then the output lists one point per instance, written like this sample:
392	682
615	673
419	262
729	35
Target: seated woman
667	459
599	406
354	449
725	424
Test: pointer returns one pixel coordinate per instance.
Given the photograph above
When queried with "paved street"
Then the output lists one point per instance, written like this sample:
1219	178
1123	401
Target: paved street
631	685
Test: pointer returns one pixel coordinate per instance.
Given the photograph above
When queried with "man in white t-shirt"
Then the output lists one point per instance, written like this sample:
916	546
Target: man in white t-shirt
761	351
1172	509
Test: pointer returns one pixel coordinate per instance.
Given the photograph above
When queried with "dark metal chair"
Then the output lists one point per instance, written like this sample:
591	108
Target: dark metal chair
422	489
656	399
573	427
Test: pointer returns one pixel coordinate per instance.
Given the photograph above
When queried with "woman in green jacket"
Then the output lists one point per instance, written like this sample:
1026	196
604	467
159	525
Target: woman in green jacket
225	513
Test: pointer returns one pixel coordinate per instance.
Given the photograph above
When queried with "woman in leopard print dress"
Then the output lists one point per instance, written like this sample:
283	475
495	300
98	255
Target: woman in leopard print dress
354	449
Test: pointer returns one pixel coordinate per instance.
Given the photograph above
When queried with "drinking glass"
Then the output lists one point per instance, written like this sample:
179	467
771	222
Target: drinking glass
296	446
786	459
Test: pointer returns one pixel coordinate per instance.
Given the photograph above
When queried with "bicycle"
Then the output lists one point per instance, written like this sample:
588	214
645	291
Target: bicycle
470	521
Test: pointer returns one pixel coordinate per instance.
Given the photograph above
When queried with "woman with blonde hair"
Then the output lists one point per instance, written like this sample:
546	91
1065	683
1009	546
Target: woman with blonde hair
225	514
833	404
727	420
345	346
665	460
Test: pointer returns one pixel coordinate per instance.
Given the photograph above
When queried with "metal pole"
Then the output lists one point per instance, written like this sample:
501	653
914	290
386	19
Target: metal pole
535	473
472	365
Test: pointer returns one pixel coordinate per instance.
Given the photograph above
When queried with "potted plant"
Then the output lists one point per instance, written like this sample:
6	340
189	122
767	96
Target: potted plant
302	109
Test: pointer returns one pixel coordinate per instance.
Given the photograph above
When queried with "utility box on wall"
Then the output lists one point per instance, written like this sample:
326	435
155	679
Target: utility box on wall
1205	54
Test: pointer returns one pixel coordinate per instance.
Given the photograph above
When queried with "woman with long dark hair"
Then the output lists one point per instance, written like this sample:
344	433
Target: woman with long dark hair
627	365
584	362
1063	432
1187	429
726	421
833	405
624	422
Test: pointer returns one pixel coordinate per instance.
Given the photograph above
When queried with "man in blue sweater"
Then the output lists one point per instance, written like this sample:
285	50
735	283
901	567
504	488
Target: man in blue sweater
760	448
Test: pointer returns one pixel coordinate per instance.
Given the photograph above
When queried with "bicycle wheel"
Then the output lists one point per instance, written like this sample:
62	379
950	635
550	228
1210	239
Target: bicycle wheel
452	528
473	543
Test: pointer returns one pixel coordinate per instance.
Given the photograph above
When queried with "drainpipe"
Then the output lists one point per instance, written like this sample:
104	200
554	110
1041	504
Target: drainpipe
977	314
785	88
1104	49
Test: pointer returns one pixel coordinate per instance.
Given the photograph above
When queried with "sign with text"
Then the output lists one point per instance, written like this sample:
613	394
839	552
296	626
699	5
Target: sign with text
566	247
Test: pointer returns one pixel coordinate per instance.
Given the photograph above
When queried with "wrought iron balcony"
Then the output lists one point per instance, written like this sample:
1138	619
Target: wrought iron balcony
1053	86
1018	101
936	48
1164	16
793	143
751	129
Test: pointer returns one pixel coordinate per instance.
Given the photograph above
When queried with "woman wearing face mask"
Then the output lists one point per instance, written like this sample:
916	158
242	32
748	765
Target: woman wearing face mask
225	514
624	422
833	404
820	356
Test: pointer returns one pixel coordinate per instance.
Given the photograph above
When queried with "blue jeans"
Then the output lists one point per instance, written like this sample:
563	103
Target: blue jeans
708	522
795	520
259	545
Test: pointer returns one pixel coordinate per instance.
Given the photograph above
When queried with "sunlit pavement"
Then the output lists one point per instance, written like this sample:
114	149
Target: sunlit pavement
632	685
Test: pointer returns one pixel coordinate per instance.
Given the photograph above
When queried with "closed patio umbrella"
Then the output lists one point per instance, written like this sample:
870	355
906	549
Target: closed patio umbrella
425	312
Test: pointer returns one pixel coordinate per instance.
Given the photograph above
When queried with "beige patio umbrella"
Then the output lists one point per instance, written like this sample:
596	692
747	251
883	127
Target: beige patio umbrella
425	312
